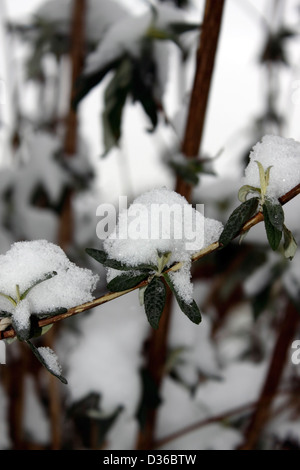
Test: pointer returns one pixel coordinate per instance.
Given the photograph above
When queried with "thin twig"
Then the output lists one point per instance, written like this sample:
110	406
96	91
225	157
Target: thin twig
114	295
211	420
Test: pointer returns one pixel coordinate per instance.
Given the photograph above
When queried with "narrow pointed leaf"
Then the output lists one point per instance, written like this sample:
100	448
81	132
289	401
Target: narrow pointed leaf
190	310
290	244
262	178
274	235
154	301
9	298
245	190
275	213
46	277
41	358
237	219
102	258
126	281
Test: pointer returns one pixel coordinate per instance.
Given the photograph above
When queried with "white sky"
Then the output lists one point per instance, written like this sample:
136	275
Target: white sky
236	98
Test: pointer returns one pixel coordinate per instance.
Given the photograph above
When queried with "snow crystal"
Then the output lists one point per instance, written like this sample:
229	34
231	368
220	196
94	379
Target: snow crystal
50	359
284	157
141	233
21	315
28	262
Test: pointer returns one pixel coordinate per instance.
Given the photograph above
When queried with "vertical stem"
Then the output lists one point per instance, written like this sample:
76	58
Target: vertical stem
202	83
276	368
157	355
77	58
194	129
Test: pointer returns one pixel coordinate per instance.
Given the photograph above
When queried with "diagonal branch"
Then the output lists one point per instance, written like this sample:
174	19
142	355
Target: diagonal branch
114	295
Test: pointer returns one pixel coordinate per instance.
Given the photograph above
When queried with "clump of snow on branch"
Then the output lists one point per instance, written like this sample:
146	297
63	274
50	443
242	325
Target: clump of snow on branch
26	263
180	225
283	155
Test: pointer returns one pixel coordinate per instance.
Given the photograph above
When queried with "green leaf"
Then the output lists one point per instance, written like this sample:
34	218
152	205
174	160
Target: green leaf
4	314
9	298
102	258
274	235
290	244
126	281
46	277
262	178
245	190
163	259
186	173
275	213
181	28
237	219
114	101
41	359
154	301
86	83
190	310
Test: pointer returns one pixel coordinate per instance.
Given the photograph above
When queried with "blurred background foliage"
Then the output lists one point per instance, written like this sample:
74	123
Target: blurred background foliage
134	65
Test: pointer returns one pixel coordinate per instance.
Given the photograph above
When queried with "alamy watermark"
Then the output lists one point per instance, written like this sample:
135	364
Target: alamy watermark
152	222
296	354
2	352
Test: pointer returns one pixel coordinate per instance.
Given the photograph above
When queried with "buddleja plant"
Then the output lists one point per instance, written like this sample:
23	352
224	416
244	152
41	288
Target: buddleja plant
272	211
153	294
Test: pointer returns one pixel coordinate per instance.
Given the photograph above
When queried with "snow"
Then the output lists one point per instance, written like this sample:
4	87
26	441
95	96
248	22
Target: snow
123	37
21	315
179	410
126	35
50	359
101	14
241	384
36	423
28	262
284	157
291	276
106	357
141	233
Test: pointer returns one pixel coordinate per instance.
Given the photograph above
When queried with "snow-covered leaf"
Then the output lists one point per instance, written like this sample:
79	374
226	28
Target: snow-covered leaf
290	244
48	359
190	310
154	301
102	257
